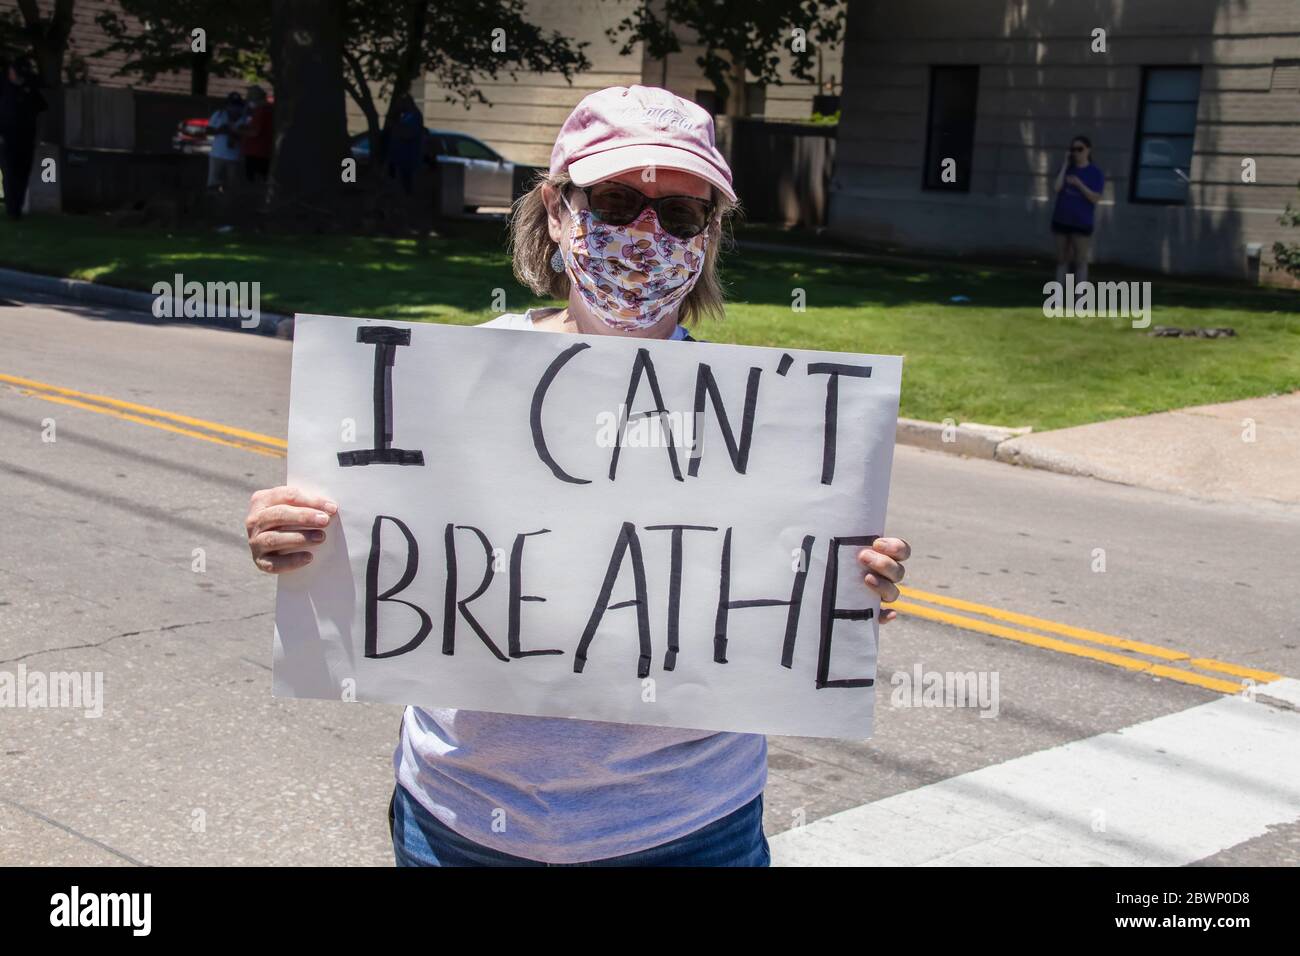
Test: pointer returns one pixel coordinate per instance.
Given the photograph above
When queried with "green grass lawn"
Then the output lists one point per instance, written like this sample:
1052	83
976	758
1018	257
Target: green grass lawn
995	359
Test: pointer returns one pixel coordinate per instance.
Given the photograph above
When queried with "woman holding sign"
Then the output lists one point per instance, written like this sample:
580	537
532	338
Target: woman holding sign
626	229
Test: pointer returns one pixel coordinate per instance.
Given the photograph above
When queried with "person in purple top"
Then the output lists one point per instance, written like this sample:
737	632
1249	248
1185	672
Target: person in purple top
1079	186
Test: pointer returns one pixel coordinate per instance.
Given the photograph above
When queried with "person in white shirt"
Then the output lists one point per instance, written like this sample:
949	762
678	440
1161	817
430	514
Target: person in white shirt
633	169
224	159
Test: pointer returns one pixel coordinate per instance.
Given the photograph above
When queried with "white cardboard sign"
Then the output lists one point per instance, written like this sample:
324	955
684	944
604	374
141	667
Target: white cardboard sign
516	534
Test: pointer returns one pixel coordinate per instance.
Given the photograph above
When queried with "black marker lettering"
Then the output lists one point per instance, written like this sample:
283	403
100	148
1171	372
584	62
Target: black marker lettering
833	408
517	597
385	339
706	385
831	613
451	605
644	363
535	414
675	585
627	540
373	597
726	605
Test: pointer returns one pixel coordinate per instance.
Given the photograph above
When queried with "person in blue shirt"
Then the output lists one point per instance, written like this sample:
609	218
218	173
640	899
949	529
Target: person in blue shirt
406	146
1079	186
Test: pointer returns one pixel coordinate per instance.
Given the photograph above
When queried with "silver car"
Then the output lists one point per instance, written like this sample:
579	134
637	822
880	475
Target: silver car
489	177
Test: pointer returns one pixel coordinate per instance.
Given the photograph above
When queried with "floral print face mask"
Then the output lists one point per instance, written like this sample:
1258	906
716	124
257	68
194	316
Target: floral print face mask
631	276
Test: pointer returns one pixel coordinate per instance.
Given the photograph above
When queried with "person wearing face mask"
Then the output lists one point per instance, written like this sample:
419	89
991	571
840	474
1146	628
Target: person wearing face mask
625	230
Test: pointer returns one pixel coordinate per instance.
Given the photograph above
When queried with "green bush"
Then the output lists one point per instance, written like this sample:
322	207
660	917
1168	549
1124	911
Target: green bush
1287	254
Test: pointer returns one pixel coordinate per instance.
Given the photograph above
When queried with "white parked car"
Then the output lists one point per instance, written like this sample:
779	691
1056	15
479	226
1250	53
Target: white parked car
489	177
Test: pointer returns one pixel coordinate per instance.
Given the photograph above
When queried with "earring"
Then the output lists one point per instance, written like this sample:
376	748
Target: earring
557	261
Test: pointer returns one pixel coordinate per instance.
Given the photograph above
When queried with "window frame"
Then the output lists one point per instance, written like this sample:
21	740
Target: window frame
1139	135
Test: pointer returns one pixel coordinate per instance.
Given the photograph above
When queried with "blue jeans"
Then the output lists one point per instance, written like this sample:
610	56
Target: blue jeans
421	839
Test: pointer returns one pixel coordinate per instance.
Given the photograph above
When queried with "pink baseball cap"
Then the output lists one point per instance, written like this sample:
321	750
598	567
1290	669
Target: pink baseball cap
623	128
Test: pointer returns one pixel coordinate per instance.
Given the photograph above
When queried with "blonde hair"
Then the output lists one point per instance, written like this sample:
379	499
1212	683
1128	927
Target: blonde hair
531	248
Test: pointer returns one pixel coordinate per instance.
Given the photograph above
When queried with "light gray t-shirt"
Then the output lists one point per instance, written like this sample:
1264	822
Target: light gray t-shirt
571	791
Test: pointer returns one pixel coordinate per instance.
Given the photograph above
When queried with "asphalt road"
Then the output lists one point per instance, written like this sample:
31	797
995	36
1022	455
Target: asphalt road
193	762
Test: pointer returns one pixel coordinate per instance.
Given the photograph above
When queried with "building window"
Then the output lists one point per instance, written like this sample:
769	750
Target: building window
708	100
1162	159
950	145
826	104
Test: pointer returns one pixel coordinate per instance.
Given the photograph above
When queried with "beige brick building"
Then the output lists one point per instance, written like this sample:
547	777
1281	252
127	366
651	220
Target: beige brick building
1185	91
87	39
525	114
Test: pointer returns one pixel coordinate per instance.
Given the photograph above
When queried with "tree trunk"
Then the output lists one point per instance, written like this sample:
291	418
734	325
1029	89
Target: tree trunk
199	63
310	112
735	105
49	42
359	90
408	67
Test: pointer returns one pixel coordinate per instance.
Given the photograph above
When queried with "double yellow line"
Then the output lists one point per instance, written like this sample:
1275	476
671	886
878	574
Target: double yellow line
153	417
1035	631
1121	652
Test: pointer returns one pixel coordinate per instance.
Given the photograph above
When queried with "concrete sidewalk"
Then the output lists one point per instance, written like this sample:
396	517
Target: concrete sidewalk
1228	452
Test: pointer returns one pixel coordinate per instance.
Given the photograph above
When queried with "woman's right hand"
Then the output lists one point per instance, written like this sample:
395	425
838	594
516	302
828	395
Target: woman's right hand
283	525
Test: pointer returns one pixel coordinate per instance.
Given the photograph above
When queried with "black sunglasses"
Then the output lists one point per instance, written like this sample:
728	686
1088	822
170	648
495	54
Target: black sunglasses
616	204
1078	149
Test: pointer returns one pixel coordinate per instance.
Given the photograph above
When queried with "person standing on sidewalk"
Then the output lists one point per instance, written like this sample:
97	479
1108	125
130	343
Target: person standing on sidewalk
632	168
20	103
1079	186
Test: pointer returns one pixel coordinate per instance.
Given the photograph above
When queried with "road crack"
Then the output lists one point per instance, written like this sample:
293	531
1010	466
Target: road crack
114	637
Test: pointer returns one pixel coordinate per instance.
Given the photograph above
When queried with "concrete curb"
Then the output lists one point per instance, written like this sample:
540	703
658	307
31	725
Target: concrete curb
94	293
1027	455
967	438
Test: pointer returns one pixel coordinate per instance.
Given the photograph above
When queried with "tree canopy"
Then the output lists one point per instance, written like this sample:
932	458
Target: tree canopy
375	50
458	43
157	37
738	36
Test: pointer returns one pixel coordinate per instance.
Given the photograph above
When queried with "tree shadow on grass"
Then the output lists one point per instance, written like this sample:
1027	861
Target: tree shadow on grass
770	278
440	278
465	276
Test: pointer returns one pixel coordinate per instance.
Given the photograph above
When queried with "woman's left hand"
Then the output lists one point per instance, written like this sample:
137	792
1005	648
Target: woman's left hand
883	562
